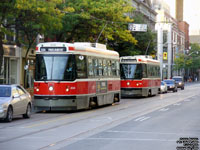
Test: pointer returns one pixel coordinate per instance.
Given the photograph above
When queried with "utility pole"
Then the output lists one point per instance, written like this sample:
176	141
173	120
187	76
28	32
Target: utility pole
160	48
169	39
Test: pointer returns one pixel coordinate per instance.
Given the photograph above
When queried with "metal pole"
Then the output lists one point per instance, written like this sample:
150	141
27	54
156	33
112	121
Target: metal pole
101	32
160	48
169	38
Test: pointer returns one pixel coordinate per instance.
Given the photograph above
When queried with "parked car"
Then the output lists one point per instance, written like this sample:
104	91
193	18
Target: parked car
171	85
14	100
163	87
179	81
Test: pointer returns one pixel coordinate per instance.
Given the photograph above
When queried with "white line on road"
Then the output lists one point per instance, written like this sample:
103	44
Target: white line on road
187	100
145	119
142	118
177	104
164	109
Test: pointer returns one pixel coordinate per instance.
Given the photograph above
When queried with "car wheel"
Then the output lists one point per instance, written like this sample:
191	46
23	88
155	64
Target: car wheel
9	116
28	112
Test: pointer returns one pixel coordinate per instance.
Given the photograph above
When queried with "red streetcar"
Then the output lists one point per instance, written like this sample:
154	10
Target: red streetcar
72	76
140	76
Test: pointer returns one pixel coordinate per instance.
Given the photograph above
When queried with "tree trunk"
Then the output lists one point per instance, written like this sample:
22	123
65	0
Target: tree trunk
1	51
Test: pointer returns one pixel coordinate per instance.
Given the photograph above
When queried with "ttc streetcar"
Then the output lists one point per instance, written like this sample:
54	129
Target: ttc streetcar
73	76
140	76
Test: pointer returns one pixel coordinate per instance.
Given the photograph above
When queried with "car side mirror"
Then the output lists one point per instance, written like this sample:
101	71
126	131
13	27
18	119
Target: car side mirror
16	96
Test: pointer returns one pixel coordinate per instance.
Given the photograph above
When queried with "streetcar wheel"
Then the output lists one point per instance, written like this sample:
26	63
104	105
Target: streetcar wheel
28	112
9	116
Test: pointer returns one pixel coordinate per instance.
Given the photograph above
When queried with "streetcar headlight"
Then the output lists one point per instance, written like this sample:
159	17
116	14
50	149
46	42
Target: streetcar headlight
137	84
51	88
37	89
67	89
128	83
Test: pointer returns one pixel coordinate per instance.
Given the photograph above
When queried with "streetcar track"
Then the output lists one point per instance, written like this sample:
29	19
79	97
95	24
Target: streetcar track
24	123
89	117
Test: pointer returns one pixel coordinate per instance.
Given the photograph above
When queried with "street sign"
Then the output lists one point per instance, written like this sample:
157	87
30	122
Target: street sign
137	27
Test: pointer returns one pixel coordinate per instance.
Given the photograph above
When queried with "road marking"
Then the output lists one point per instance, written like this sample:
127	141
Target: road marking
187	100
56	120
145	118
142	118
177	104
164	109
131	139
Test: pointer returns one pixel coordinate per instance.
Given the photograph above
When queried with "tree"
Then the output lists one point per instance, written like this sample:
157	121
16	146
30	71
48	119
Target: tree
28	18
35	17
146	41
6	12
90	18
188	61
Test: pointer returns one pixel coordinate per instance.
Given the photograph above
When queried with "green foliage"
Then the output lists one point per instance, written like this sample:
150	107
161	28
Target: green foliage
146	41
89	17
190	60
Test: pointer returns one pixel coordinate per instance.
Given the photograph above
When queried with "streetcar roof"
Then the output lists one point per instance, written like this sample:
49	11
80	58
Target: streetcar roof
84	48
138	59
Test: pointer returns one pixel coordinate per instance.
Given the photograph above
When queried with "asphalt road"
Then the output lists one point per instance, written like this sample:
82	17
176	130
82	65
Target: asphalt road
155	123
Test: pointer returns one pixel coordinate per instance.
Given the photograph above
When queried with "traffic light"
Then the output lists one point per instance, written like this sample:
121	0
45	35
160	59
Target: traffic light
164	55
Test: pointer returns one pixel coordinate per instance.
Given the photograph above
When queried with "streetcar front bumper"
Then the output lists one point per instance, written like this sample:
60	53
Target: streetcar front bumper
59	103
131	92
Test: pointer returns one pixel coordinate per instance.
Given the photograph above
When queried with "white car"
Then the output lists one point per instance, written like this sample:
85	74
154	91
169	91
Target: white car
163	87
14	100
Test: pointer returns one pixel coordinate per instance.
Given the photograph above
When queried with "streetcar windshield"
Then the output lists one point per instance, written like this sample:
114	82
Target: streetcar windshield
55	67
131	71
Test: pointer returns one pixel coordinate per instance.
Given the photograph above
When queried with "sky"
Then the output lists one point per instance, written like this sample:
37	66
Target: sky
191	12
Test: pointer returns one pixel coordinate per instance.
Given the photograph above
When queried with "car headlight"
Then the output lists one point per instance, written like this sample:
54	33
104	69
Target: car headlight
1	109
179	83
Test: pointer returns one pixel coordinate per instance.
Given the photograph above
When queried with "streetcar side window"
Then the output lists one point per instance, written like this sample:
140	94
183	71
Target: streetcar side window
81	66
95	65
105	68
117	68
100	67
90	67
144	71
114	68
109	68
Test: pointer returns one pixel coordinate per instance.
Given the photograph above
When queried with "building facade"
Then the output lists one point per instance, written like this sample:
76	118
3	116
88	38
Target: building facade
171	40
11	66
145	8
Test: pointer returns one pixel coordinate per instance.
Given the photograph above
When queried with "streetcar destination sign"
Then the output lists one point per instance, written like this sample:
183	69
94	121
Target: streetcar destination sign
53	49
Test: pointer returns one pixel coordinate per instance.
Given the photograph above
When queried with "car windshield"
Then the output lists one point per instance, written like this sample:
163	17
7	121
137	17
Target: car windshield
5	91
169	81
177	79
55	67
131	71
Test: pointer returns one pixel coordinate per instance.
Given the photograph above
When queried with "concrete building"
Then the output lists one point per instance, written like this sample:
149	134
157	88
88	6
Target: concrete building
145	8
11	66
195	39
184	27
171	40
